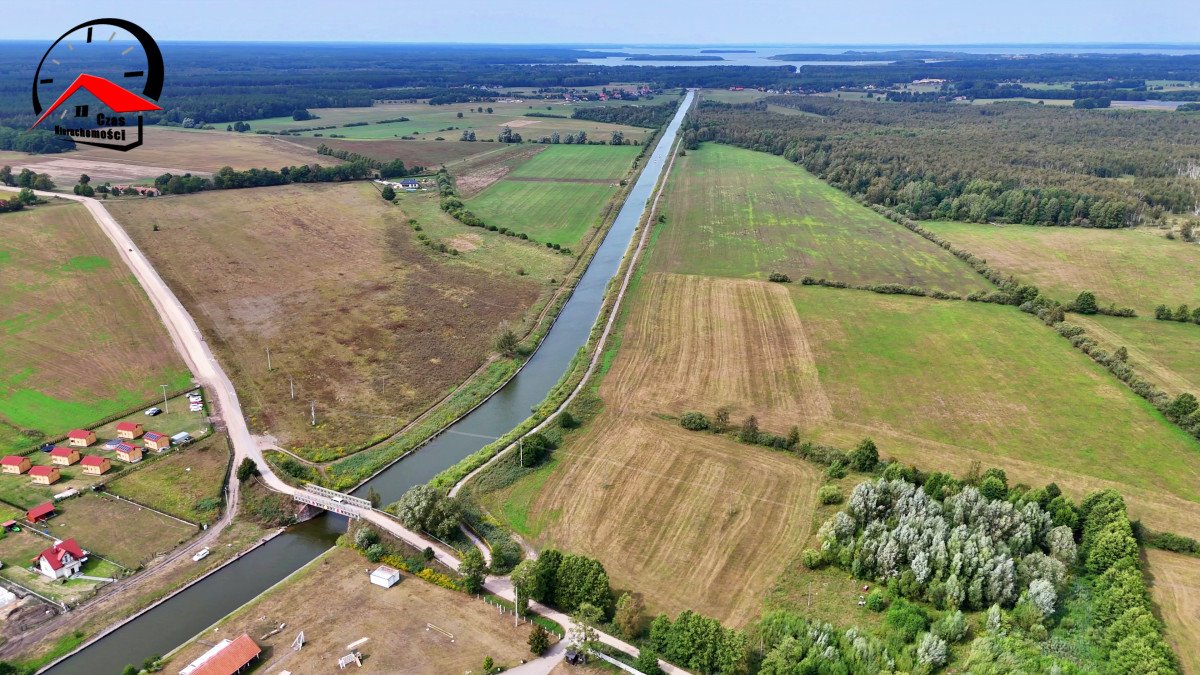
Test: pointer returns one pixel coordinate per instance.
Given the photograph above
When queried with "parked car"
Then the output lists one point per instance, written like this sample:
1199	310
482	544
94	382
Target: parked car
151	412
181	438
195	397
196	407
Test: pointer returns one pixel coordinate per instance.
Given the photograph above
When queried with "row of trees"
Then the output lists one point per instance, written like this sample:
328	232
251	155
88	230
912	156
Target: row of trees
26	179
1181	314
651	116
937	161
393	168
228	178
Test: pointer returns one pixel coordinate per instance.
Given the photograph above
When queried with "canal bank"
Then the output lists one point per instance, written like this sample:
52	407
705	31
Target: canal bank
173	622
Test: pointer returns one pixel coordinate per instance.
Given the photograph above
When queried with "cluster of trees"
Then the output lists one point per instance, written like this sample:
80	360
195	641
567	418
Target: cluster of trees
468	135
1091	103
1180	314
239	127
1123	619
650	116
969	550
698	643
425	509
976	164
566	581
37	141
507	135
228	178
390	169
26	179
578	138
84	187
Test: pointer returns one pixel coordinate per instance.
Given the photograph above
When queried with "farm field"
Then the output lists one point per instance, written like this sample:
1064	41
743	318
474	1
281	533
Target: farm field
118	530
395	619
370	324
427	122
186	483
168	150
429	154
740	213
671	513
1137	268
1175	587
1164	352
584	162
549	212
79	341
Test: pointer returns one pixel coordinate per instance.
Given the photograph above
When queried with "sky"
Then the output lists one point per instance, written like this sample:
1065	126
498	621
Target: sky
632	21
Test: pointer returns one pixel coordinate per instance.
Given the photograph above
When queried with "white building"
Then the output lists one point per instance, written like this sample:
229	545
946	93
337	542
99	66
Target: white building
385	576
61	560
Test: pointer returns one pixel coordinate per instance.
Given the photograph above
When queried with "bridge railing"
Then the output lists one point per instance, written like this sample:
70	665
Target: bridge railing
340	508
340	497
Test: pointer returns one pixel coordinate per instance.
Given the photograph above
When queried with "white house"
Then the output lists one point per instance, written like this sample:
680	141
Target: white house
61	560
385	576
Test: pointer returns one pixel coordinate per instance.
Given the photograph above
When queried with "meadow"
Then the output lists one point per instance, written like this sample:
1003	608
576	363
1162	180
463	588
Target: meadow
1165	352
394	619
365	320
428	122
79	340
589	162
119	530
186	483
553	212
739	213
1137	268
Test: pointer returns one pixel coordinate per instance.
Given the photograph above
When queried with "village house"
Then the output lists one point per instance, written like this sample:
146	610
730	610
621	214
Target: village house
95	465
40	512
227	657
129	430
152	440
410	184
128	452
61	560
64	456
15	464
138	189
81	438
44	475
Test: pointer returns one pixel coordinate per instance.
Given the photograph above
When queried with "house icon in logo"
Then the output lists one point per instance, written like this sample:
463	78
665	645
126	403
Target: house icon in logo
102	126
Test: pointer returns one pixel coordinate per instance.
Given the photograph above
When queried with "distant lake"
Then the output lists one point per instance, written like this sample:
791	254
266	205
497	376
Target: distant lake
760	56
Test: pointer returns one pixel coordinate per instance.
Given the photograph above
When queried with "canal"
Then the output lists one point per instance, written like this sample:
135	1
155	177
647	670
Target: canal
175	621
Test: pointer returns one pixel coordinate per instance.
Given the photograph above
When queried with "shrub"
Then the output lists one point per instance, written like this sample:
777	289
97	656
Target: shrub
836	470
829	494
246	469
906	620
779	277
812	558
539	640
952	627
694	421
647	662
749	430
865	456
932	651
1085	303
876	602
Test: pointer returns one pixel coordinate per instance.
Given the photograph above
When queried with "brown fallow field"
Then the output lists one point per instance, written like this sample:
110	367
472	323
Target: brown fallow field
1175	587
365	320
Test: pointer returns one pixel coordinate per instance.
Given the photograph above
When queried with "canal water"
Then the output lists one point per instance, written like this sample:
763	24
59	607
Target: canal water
175	621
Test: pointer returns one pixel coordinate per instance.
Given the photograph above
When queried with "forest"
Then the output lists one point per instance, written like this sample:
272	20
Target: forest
1014	163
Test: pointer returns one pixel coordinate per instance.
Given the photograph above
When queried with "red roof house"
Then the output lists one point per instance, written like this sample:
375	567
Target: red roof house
64	456
129	430
81	438
128	452
61	560
232	658
95	465
40	512
156	441
15	464
44	475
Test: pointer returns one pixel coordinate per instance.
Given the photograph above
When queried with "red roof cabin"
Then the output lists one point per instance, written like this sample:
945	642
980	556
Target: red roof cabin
15	464
61	560
229	657
95	465
40	512
156	441
64	456
128	452
129	430
44	475
81	438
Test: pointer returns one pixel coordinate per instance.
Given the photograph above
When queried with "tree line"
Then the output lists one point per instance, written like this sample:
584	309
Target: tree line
228	178
651	116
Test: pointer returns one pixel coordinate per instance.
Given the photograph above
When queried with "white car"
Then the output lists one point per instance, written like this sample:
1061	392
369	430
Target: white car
195	398
196	407
151	412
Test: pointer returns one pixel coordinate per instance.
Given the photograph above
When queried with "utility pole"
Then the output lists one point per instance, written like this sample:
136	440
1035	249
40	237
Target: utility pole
521	450
292	385
268	359
516	604
165	408
313	408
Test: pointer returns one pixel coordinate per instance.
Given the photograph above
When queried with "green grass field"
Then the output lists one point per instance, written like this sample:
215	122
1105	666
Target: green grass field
179	482
1138	268
79	340
597	162
739	213
1165	352
554	212
928	378
426	122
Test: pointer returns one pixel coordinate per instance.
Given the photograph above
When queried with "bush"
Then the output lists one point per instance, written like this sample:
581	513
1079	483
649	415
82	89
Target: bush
539	640
906	620
779	277
876	602
812	558
694	421
836	470
647	662
865	456
830	494
246	469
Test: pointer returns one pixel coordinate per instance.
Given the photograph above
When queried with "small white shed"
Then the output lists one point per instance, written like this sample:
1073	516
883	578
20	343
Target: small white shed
385	576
